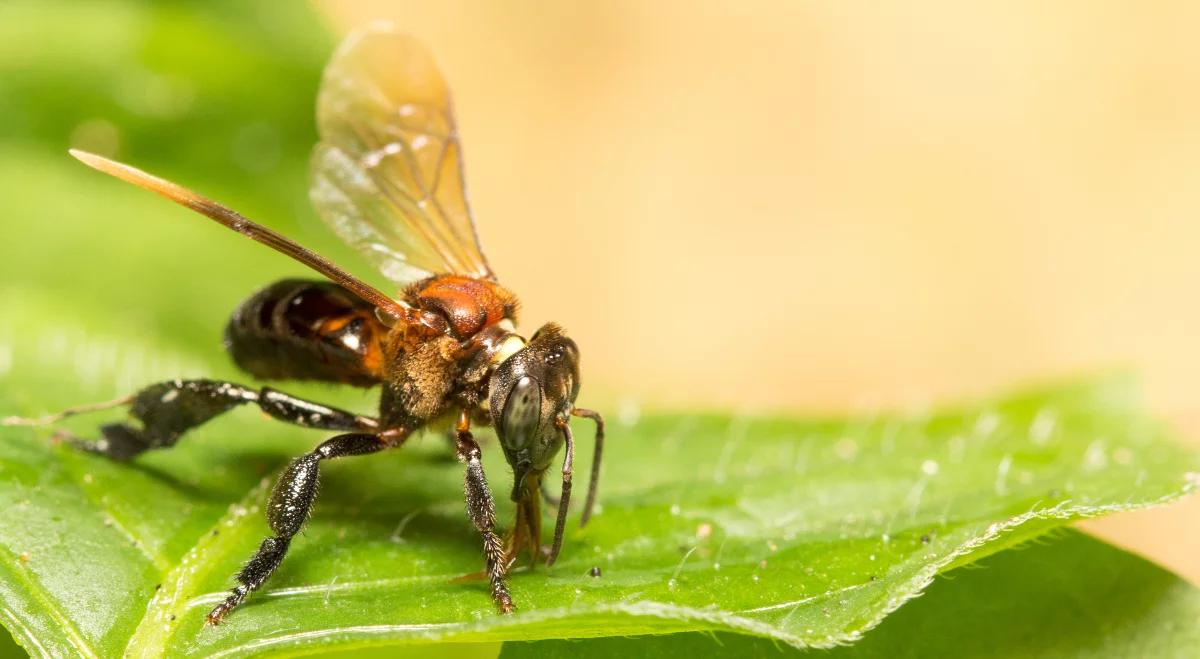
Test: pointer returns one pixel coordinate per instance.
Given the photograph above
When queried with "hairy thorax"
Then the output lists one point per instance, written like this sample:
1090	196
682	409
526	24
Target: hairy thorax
446	360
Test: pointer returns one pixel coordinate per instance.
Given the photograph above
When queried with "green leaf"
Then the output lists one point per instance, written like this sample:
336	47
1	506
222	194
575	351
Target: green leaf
807	531
1069	596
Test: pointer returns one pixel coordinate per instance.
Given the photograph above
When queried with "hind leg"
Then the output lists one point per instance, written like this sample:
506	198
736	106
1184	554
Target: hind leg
291	501
167	410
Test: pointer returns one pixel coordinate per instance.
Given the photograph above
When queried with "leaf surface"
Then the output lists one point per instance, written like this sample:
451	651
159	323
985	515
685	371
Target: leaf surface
806	531
1067	596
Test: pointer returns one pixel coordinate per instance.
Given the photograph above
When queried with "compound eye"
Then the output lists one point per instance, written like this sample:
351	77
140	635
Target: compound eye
522	412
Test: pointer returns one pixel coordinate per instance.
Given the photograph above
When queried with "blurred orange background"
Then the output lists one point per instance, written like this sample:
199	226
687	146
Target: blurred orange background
850	205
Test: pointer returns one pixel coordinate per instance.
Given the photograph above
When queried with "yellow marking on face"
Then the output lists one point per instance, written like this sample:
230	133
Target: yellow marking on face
508	347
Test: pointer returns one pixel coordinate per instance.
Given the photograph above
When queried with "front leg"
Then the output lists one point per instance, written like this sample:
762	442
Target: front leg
482	510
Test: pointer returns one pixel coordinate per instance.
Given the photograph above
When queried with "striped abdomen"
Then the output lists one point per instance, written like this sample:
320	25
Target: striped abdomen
307	330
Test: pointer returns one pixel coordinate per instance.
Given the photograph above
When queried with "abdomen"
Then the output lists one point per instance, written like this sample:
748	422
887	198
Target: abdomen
297	329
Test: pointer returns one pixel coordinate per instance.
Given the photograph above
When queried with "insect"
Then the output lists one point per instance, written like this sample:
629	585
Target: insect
387	177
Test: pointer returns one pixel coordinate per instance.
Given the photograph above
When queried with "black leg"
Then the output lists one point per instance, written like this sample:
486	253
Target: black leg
167	410
291	501
482	510
564	501
596	455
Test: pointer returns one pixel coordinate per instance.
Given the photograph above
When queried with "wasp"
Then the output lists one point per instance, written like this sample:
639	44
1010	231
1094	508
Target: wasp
387	176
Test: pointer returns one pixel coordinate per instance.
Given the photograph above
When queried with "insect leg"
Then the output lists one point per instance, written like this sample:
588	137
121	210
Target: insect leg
564	501
301	412
482	510
596	455
167	410
289	506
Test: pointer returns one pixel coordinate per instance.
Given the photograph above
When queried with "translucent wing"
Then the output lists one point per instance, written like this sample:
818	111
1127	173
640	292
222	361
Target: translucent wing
387	173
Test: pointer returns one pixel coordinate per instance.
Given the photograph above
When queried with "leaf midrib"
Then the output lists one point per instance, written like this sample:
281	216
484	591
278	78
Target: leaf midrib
156	628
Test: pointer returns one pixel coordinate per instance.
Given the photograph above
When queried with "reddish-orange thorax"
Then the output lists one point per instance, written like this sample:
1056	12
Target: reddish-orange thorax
468	304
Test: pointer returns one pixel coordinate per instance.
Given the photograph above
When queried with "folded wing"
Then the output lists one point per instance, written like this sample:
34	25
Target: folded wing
387	173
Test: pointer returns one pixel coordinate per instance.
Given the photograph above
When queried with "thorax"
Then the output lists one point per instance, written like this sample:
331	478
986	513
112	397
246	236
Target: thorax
441	357
467	304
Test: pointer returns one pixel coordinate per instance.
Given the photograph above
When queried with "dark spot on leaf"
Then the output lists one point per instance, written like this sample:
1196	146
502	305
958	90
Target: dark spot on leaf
925	539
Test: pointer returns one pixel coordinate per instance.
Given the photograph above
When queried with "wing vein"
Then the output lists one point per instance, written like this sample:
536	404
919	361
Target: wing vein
382	170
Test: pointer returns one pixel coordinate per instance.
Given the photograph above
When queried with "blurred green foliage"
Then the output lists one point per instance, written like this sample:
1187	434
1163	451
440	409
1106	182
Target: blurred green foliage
218	96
